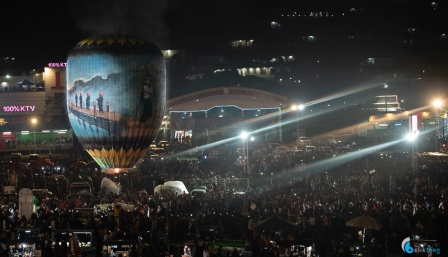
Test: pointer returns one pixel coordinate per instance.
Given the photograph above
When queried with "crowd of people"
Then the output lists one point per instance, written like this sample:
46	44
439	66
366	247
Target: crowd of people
316	192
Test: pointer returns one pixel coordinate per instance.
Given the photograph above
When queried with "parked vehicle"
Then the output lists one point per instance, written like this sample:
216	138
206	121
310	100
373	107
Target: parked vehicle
42	193
201	190
33	156
296	153
79	184
310	149
163	144
326	151
281	149
303	141
16	157
158	151
343	150
336	139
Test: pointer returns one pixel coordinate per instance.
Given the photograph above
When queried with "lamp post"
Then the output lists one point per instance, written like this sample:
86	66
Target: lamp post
413	138
244	136
439	122
248	164
118	172
297	108
34	121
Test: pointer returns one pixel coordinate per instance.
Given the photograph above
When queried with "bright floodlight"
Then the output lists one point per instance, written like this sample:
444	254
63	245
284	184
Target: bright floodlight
252	138
437	103
34	120
412	136
244	135
298	107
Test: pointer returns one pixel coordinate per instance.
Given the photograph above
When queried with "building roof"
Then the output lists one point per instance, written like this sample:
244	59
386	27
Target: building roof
244	98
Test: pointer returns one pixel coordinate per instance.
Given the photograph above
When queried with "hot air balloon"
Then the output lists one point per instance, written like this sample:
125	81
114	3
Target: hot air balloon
116	96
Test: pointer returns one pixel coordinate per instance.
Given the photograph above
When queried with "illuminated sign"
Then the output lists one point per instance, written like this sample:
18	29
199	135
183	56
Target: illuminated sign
57	64
19	108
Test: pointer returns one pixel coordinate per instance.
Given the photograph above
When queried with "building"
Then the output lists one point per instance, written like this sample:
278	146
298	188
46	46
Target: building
32	114
219	113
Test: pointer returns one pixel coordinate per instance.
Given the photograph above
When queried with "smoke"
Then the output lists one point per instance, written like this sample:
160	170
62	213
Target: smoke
123	17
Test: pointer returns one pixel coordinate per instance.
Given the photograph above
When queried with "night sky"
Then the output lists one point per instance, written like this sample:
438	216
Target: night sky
38	32
48	29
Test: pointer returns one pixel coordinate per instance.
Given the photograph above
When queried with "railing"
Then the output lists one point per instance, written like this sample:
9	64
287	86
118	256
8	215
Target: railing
38	147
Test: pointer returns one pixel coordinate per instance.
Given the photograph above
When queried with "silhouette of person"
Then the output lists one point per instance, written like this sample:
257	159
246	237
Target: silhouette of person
100	103
145	99
76	99
88	101
80	99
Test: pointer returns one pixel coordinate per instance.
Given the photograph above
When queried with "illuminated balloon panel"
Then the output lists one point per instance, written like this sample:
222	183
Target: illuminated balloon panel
116	97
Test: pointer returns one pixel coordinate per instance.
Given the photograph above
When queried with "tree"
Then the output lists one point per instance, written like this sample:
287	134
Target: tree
56	108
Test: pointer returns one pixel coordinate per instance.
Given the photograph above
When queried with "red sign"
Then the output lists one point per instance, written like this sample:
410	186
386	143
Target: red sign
8	135
58	86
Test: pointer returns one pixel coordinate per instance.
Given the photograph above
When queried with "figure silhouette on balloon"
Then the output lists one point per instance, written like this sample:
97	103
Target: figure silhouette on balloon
145	99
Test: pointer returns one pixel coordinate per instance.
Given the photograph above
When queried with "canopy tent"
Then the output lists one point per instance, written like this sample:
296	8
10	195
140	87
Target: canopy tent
93	165
26	82
78	165
275	223
364	222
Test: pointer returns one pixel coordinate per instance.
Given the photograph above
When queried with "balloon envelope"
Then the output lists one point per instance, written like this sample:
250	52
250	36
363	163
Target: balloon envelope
115	97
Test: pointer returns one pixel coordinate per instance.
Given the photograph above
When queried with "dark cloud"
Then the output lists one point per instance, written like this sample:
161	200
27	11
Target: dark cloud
130	17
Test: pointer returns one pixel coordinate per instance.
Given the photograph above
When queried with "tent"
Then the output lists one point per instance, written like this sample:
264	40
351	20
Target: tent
26	82
364	222
78	165
174	187
94	165
275	223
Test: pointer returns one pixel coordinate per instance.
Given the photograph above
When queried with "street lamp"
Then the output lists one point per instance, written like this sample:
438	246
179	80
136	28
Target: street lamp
413	138
34	121
385	87
247	144
118	172
297	108
440	122
244	136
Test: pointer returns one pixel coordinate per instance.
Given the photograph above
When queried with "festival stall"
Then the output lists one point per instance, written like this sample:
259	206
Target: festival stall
84	238
119	247
23	248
